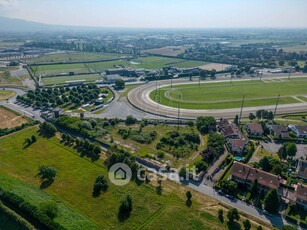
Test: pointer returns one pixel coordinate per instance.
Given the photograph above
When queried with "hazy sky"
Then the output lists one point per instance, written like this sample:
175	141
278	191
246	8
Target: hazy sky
161	13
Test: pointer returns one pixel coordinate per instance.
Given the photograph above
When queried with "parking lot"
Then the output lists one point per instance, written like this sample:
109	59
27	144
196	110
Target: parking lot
273	147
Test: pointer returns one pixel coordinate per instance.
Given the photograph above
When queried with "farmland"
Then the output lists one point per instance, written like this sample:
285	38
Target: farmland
145	62
229	95
72	189
10	119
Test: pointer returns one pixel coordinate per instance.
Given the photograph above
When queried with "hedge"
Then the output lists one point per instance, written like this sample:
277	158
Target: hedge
26	209
15	217
7	131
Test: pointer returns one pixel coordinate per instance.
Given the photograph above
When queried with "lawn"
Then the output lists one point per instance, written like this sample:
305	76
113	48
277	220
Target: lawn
229	95
72	190
5	94
73	56
63	79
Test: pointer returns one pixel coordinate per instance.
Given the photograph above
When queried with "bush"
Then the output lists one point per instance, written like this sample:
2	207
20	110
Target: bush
50	209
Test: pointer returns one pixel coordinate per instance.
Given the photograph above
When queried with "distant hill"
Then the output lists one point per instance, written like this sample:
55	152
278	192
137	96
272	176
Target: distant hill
20	25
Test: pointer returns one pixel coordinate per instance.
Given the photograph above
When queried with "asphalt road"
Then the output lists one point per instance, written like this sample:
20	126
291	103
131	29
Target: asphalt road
139	97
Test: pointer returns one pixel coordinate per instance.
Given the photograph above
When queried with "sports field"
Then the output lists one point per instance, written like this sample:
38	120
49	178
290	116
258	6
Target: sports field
144	62
229	95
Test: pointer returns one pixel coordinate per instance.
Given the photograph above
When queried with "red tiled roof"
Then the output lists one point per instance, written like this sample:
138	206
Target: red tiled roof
255	128
237	144
240	170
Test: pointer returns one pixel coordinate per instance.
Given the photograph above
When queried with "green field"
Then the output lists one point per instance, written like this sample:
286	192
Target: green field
146	62
5	94
229	95
63	79
72	190
75	56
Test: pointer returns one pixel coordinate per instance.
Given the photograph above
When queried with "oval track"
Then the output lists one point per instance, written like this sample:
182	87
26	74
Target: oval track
139	97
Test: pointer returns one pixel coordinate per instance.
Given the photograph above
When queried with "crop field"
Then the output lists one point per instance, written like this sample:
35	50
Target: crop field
9	119
229	95
73	56
146	62
72	190
63	79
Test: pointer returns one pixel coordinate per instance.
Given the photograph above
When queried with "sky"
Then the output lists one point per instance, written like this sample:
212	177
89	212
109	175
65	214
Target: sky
161	13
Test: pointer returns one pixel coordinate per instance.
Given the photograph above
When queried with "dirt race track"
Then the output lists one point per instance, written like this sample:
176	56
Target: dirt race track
10	119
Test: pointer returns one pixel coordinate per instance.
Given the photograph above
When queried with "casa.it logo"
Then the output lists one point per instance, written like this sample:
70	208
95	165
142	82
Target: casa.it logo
120	174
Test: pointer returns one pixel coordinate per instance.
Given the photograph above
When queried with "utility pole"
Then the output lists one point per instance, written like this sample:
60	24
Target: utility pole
241	109
179	110
276	105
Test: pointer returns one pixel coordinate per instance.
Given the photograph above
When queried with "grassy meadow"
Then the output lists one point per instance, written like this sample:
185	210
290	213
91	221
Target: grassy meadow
72	190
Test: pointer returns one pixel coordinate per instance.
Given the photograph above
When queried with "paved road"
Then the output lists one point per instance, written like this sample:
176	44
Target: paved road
139	97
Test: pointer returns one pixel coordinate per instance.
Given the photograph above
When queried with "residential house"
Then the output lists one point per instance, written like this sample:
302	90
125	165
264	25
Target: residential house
301	195
299	130
229	130
237	146
240	172
246	174
302	169
279	131
254	129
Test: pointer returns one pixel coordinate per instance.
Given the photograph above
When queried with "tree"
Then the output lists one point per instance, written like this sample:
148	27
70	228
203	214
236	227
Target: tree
189	195
229	186
206	124
101	184
203	74
213	73
236	120
221	215
281	62
305	69
291	149
96	150
201	166
130	120
183	173
259	227
271	201
233	215
265	164
126	206
247	224
46	173
33	139
119	84
47	128
252	116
